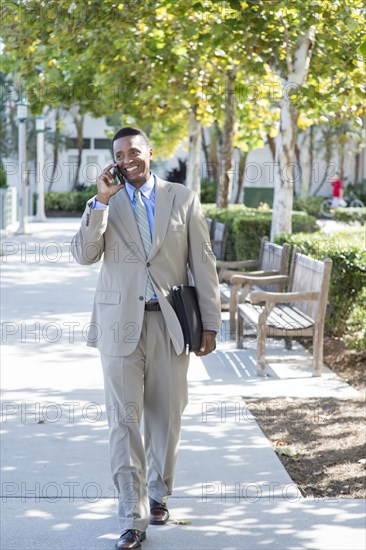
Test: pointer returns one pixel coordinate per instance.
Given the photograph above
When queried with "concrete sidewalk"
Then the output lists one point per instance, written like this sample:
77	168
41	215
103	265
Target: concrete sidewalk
231	490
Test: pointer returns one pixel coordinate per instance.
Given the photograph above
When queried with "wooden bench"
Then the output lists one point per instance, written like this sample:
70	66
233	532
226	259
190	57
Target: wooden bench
273	260
218	239
229	268
209	222
298	312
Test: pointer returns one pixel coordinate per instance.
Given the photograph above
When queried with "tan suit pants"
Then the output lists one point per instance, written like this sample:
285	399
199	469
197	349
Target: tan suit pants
152	380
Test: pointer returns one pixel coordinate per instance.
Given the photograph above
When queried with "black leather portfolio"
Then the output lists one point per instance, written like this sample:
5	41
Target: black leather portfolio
189	315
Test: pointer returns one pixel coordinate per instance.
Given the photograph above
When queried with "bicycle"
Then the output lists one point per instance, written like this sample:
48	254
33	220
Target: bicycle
350	202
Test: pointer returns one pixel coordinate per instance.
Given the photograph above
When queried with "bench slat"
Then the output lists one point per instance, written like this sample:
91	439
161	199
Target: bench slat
281	317
297	315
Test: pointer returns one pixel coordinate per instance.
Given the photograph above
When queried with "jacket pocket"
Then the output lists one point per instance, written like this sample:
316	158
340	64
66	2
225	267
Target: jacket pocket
107	297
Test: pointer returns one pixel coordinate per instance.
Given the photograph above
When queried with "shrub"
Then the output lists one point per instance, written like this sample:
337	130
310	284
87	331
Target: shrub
310	205
350	215
208	190
72	201
2	176
355	335
348	279
246	227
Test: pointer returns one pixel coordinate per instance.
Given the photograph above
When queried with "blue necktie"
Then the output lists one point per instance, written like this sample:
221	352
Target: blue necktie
144	229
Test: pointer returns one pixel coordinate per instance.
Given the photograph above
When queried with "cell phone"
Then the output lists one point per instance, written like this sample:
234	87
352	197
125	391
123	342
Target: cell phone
116	172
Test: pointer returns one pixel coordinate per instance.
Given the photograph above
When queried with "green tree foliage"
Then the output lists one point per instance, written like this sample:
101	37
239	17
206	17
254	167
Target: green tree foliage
153	62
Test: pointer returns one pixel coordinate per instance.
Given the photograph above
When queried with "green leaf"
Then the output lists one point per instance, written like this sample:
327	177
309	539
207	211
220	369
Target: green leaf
182	522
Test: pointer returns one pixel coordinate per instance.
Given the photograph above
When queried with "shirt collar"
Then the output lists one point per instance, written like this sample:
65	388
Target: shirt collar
146	189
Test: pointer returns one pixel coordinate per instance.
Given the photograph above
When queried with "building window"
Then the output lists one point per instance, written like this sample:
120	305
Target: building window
91	169
102	143
72	143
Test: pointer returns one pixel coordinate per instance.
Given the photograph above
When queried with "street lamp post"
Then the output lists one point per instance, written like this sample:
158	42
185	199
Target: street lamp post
22	113
40	127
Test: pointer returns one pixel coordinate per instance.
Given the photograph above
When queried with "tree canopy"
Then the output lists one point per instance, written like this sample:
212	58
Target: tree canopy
254	67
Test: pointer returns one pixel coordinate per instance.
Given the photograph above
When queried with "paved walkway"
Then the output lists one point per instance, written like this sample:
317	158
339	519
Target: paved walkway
231	491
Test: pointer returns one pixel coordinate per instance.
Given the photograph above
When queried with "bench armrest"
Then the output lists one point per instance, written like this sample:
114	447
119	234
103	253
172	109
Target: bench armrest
282	297
260	280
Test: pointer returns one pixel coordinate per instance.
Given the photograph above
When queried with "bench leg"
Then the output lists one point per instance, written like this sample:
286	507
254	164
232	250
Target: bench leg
261	350
234	293
318	343
239	331
232	307
232	320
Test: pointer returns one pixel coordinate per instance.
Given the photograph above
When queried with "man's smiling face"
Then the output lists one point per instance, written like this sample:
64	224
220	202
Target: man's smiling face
133	156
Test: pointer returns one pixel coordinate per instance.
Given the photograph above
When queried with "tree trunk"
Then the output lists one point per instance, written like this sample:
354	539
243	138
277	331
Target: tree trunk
194	153
305	162
307	149
311	156
56	145
297	66
238	199
341	142
206	153
272	145
215	145
297	169
328	146
79	123
226	172
357	167
284	174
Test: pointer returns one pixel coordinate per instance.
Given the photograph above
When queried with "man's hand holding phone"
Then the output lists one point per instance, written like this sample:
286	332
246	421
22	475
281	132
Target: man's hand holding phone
106	183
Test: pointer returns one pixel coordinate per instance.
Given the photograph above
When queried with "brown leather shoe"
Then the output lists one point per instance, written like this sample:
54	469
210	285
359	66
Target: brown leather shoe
159	513
131	539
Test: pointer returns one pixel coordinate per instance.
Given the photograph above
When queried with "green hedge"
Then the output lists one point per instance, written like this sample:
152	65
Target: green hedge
208	190
71	201
350	215
246	227
310	205
3	176
348	280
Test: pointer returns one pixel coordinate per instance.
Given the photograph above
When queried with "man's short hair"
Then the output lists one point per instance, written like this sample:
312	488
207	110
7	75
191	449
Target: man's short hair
130	131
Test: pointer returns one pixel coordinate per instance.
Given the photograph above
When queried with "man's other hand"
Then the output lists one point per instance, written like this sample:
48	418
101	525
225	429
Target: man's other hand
208	343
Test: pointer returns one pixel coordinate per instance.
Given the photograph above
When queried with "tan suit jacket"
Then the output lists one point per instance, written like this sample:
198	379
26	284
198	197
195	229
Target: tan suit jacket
180	240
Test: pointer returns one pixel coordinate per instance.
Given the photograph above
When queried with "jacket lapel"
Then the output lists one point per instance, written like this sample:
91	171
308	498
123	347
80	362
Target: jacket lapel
163	205
124	211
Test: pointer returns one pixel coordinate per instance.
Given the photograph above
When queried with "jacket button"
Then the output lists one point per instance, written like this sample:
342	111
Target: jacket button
141	298
148	264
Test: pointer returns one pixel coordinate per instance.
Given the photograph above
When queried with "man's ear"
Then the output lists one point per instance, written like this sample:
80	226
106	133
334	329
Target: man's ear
150	153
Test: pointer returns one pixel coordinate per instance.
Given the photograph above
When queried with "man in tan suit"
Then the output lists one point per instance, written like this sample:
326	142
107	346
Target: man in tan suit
150	233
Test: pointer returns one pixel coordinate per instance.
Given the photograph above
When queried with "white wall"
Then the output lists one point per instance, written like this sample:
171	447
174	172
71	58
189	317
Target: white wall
92	161
259	171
